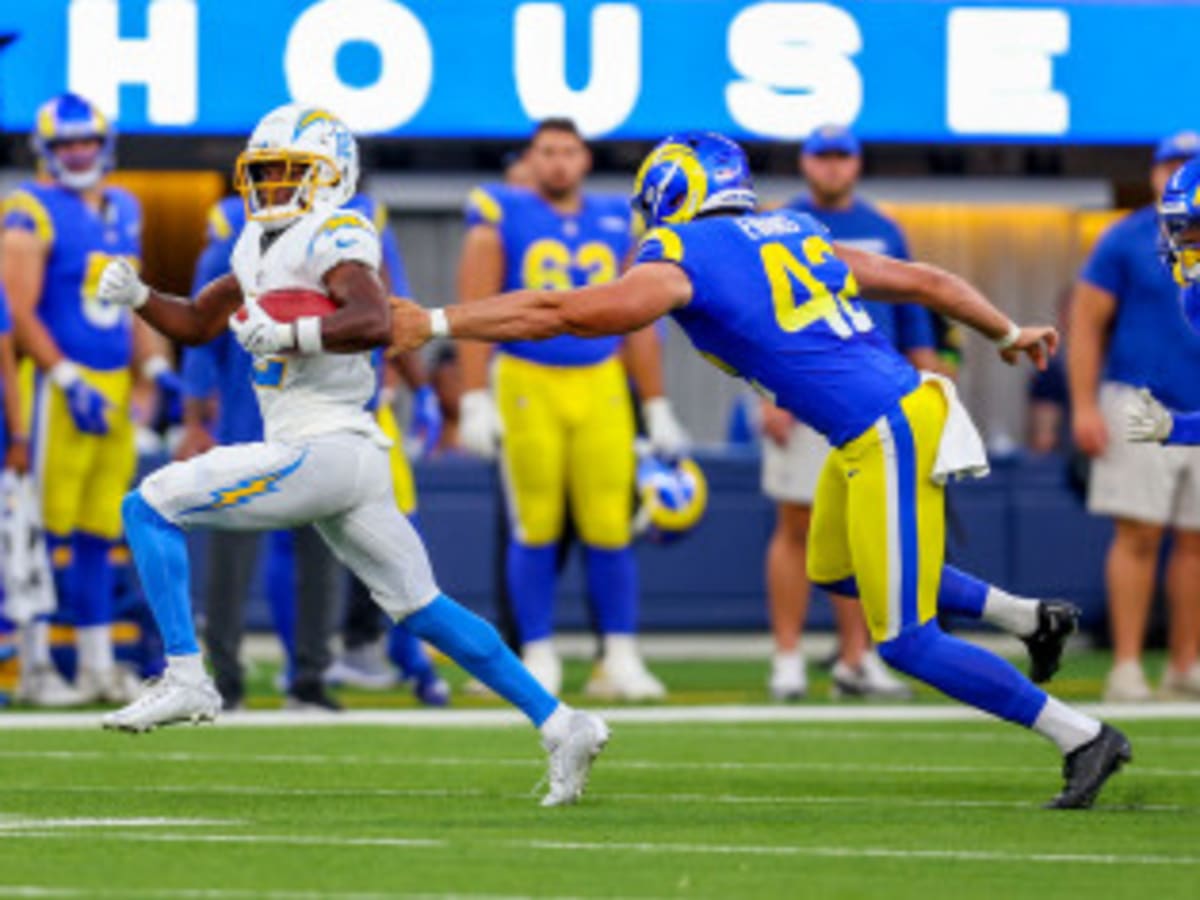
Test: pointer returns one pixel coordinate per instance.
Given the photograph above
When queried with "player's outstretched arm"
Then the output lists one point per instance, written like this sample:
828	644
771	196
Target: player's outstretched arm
195	321
883	278
645	293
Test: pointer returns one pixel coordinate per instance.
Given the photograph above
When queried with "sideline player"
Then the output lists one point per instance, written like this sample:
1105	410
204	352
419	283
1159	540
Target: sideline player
561	417
324	460
60	231
767	297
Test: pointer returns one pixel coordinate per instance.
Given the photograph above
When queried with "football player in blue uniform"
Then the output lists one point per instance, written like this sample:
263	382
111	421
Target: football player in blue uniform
559	412
767	297
222	369
60	231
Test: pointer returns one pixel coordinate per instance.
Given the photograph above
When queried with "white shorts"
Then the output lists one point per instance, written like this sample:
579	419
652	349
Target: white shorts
1143	482
341	483
790	472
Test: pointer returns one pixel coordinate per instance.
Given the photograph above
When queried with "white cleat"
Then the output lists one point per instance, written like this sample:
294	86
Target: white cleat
789	680
44	687
871	680
114	685
543	664
1180	685
167	701
572	756
1126	683
365	667
624	678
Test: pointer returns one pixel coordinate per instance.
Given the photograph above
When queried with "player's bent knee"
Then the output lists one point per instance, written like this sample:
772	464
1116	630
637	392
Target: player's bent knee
904	651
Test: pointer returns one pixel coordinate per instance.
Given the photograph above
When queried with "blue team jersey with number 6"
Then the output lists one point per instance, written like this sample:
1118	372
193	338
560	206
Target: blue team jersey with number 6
772	304
80	242
548	250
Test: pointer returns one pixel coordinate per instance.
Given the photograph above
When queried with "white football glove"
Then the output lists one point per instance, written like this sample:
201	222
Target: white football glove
120	285
479	427
667	436
259	333
1147	420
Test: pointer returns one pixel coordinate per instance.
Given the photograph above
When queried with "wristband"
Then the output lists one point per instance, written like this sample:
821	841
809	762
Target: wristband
64	373
155	366
439	324
1010	337
308	335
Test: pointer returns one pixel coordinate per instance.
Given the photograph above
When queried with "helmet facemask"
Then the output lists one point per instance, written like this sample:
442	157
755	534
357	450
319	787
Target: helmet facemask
1181	232
280	185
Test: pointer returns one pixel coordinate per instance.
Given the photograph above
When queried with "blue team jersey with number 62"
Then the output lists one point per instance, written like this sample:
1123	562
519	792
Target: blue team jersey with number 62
772	304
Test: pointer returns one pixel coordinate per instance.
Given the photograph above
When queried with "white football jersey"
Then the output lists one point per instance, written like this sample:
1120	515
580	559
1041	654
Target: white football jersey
302	396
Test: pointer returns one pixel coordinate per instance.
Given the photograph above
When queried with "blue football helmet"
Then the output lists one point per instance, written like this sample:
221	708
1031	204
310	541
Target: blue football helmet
1179	218
690	174
69	117
672	496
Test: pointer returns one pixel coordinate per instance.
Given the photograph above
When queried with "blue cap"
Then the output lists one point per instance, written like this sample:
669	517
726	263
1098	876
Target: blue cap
1181	145
832	139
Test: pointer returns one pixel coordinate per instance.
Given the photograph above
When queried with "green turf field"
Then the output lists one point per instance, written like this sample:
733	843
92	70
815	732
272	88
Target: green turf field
859	809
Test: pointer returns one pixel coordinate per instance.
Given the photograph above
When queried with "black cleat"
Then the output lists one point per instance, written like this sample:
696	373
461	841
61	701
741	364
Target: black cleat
1087	768
311	696
1057	621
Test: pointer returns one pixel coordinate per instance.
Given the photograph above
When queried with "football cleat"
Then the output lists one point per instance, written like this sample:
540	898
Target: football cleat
1126	683
310	696
44	687
431	690
571	757
870	679
114	685
168	700
624	679
1087	768
363	667
1057	621
789	680
1180	685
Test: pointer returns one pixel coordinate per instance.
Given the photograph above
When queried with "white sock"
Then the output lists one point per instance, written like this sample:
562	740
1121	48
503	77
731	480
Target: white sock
94	643
620	646
35	645
189	668
1016	615
1068	728
554	729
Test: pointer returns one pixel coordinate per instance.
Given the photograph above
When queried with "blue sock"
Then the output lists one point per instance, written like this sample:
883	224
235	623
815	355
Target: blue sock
961	594
476	646
965	672
407	654
613	587
160	553
61	548
94	580
280	575
531	582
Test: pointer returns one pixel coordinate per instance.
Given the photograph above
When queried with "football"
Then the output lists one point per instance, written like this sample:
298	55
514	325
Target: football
290	304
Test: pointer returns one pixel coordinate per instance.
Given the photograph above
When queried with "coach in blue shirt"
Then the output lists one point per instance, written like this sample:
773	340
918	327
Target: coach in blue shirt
793	454
1128	331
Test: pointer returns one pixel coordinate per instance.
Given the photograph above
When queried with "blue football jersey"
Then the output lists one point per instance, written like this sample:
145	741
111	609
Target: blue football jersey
548	250
908	326
81	243
772	304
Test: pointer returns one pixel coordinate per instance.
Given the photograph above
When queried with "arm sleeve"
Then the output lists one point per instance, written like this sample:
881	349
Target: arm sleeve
1105	268
344	237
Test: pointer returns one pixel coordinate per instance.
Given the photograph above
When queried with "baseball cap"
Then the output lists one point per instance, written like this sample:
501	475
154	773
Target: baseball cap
832	139
1181	145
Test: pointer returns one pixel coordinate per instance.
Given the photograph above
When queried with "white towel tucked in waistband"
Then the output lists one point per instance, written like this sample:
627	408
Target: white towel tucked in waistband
960	453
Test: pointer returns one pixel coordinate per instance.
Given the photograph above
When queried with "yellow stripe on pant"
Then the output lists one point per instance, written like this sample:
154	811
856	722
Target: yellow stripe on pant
568	433
402	476
879	517
82	477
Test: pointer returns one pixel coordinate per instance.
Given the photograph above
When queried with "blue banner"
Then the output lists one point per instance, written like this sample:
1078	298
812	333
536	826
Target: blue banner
908	70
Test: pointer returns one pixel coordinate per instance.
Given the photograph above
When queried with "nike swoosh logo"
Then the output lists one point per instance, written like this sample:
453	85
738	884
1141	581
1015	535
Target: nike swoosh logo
343	243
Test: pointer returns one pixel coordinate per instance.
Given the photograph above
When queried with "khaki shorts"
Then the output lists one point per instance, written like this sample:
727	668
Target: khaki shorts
1143	482
789	473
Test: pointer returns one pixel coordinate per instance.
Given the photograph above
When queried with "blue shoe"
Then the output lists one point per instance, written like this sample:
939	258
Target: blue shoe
432	690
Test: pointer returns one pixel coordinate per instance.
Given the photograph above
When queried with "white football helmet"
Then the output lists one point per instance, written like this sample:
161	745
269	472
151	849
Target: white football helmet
298	157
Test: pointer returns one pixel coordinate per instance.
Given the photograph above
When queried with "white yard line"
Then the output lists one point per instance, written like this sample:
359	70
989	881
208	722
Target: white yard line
27	824
46	891
659	849
659	715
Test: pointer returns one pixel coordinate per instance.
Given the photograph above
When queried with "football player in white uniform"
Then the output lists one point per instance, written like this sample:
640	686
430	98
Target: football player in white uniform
323	460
